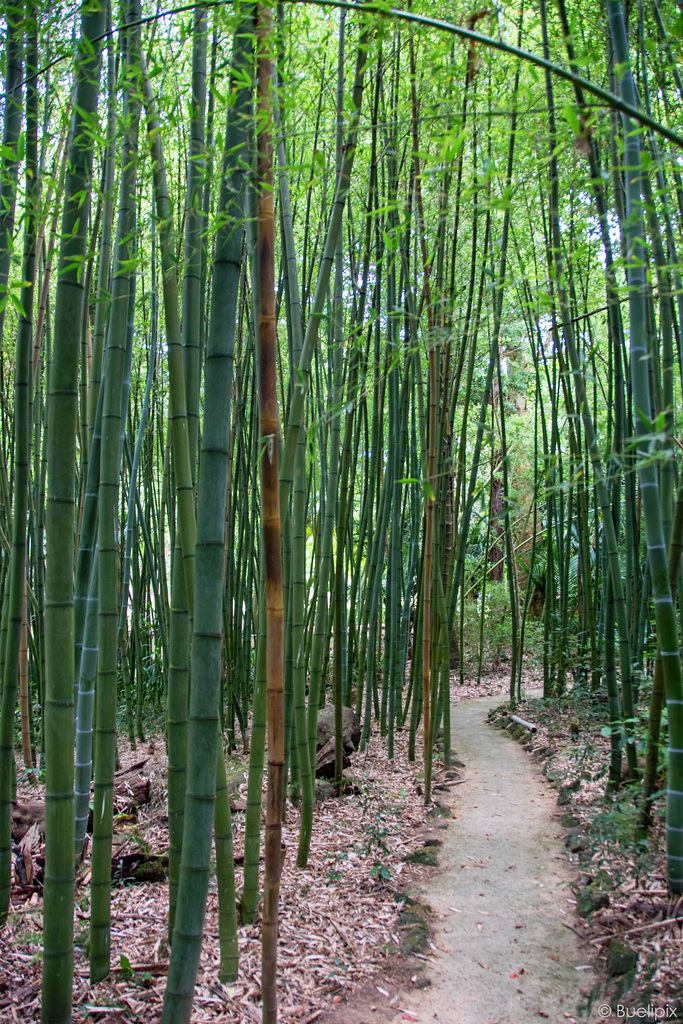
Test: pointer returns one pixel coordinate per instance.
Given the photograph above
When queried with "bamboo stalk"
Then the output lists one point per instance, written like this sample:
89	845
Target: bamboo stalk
270	512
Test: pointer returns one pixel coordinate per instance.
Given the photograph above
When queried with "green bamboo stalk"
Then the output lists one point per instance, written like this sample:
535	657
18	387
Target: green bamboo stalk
13	614
336	570
85	704
225	875
179	676
131	503
298	528
116	359
88	539
658	694
325	570
177	388
665	614
138	612
252	832
202	740
226	276
11	129
374	589
429	477
591	441
176	725
62	412
182	462
105	246
194	229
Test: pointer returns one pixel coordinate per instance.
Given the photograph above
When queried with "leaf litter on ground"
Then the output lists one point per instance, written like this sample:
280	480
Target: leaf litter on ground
338	916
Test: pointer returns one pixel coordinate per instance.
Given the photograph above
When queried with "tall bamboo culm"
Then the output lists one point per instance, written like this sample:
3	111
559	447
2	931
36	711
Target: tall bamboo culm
62	426
270	514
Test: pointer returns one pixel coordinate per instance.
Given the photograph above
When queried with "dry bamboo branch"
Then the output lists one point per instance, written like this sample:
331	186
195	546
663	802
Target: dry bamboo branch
525	725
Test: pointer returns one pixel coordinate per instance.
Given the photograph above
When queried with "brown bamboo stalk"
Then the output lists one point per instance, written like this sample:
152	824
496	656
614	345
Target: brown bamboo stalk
268	417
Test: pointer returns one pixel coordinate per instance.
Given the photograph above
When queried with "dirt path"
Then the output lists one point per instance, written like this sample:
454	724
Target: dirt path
501	896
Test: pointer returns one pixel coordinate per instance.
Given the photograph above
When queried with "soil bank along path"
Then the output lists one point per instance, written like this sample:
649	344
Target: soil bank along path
501	896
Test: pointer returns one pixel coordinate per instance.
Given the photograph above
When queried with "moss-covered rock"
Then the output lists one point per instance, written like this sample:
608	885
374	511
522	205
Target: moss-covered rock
323	790
409	918
415	939
588	901
426	857
620	958
565	794
438	810
235	777
151	870
575	840
584	904
390	948
407	900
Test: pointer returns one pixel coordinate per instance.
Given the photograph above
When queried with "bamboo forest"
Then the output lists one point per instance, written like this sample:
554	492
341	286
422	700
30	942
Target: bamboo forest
341	368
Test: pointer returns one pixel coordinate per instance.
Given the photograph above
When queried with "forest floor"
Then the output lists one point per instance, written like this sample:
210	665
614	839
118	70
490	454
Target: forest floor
491	933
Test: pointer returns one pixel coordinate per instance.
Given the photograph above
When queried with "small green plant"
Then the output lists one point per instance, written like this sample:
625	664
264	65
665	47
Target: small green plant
125	965
381	872
375	833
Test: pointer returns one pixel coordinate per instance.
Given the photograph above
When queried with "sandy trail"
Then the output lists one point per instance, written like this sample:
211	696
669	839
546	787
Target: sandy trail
501	895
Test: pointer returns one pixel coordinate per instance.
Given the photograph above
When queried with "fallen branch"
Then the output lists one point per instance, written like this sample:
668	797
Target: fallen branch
131	768
525	725
18	996
641	928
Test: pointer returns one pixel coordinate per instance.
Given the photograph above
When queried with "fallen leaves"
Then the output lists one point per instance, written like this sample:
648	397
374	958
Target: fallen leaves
337	920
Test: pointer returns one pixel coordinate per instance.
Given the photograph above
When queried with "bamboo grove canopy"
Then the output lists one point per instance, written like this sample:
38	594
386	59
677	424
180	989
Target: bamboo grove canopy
337	339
